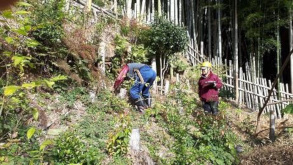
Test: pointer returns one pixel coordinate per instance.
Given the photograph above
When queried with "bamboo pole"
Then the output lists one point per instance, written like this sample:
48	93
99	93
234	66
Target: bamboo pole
272	126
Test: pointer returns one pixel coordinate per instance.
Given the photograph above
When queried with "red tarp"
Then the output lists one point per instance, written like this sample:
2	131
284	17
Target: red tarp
122	75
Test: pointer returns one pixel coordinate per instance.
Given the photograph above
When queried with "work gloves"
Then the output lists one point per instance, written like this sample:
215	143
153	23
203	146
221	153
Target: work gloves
211	83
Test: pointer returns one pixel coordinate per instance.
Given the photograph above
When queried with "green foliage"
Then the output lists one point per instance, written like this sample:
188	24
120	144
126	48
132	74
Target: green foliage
49	18
223	105
179	63
104	22
288	109
165	38
95	129
16	108
247	126
110	103
260	23
121	46
138	54
17	41
69	148
129	53
100	3
119	139
16	151
71	95
197	140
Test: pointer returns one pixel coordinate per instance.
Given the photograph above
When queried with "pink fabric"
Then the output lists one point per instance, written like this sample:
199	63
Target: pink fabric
119	80
207	92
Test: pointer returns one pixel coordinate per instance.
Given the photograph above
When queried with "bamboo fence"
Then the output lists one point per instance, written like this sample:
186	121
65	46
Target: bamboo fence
252	90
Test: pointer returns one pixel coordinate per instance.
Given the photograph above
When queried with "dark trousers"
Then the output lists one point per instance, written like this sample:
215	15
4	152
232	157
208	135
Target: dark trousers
149	76
211	107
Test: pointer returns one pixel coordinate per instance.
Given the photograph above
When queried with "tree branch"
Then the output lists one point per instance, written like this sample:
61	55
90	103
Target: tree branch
273	86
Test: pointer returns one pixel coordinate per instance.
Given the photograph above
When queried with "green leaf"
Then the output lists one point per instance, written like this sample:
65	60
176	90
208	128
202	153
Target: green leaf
45	144
20	31
220	162
58	78
288	109
30	132
27	27
22	12
9	40
17	60
32	43
7	14
49	83
24	4
20	60
15	100
35	113
7	53
29	85
10	90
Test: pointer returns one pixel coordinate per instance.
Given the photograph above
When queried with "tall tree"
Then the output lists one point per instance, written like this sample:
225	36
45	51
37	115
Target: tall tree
209	31
290	4
219	30
278	47
236	49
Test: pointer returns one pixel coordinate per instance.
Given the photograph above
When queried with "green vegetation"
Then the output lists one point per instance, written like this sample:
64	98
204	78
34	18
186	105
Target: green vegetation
58	108
165	38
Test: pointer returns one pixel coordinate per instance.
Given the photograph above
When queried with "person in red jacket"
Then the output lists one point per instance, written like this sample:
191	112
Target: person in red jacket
209	85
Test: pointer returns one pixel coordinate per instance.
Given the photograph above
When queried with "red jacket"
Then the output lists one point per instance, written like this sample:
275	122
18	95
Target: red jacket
207	91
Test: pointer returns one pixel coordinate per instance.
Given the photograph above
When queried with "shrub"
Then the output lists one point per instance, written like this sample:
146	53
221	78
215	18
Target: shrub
165	38
119	139
70	149
49	17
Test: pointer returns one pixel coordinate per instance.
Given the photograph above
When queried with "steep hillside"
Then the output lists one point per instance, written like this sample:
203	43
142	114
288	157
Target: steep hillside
58	105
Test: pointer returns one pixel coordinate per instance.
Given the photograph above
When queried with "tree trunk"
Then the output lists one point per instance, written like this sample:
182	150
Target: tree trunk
291	47
176	12
200	25
180	13
142	13
236	50
159	8
153	10
149	11
219	32
209	32
138	10
128	9
161	74
278	53
102	52
172	11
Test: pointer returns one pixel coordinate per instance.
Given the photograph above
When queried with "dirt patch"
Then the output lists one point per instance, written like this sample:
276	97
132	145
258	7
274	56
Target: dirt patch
259	149
276	154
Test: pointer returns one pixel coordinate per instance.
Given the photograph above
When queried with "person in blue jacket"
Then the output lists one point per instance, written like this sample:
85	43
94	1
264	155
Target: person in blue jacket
144	77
